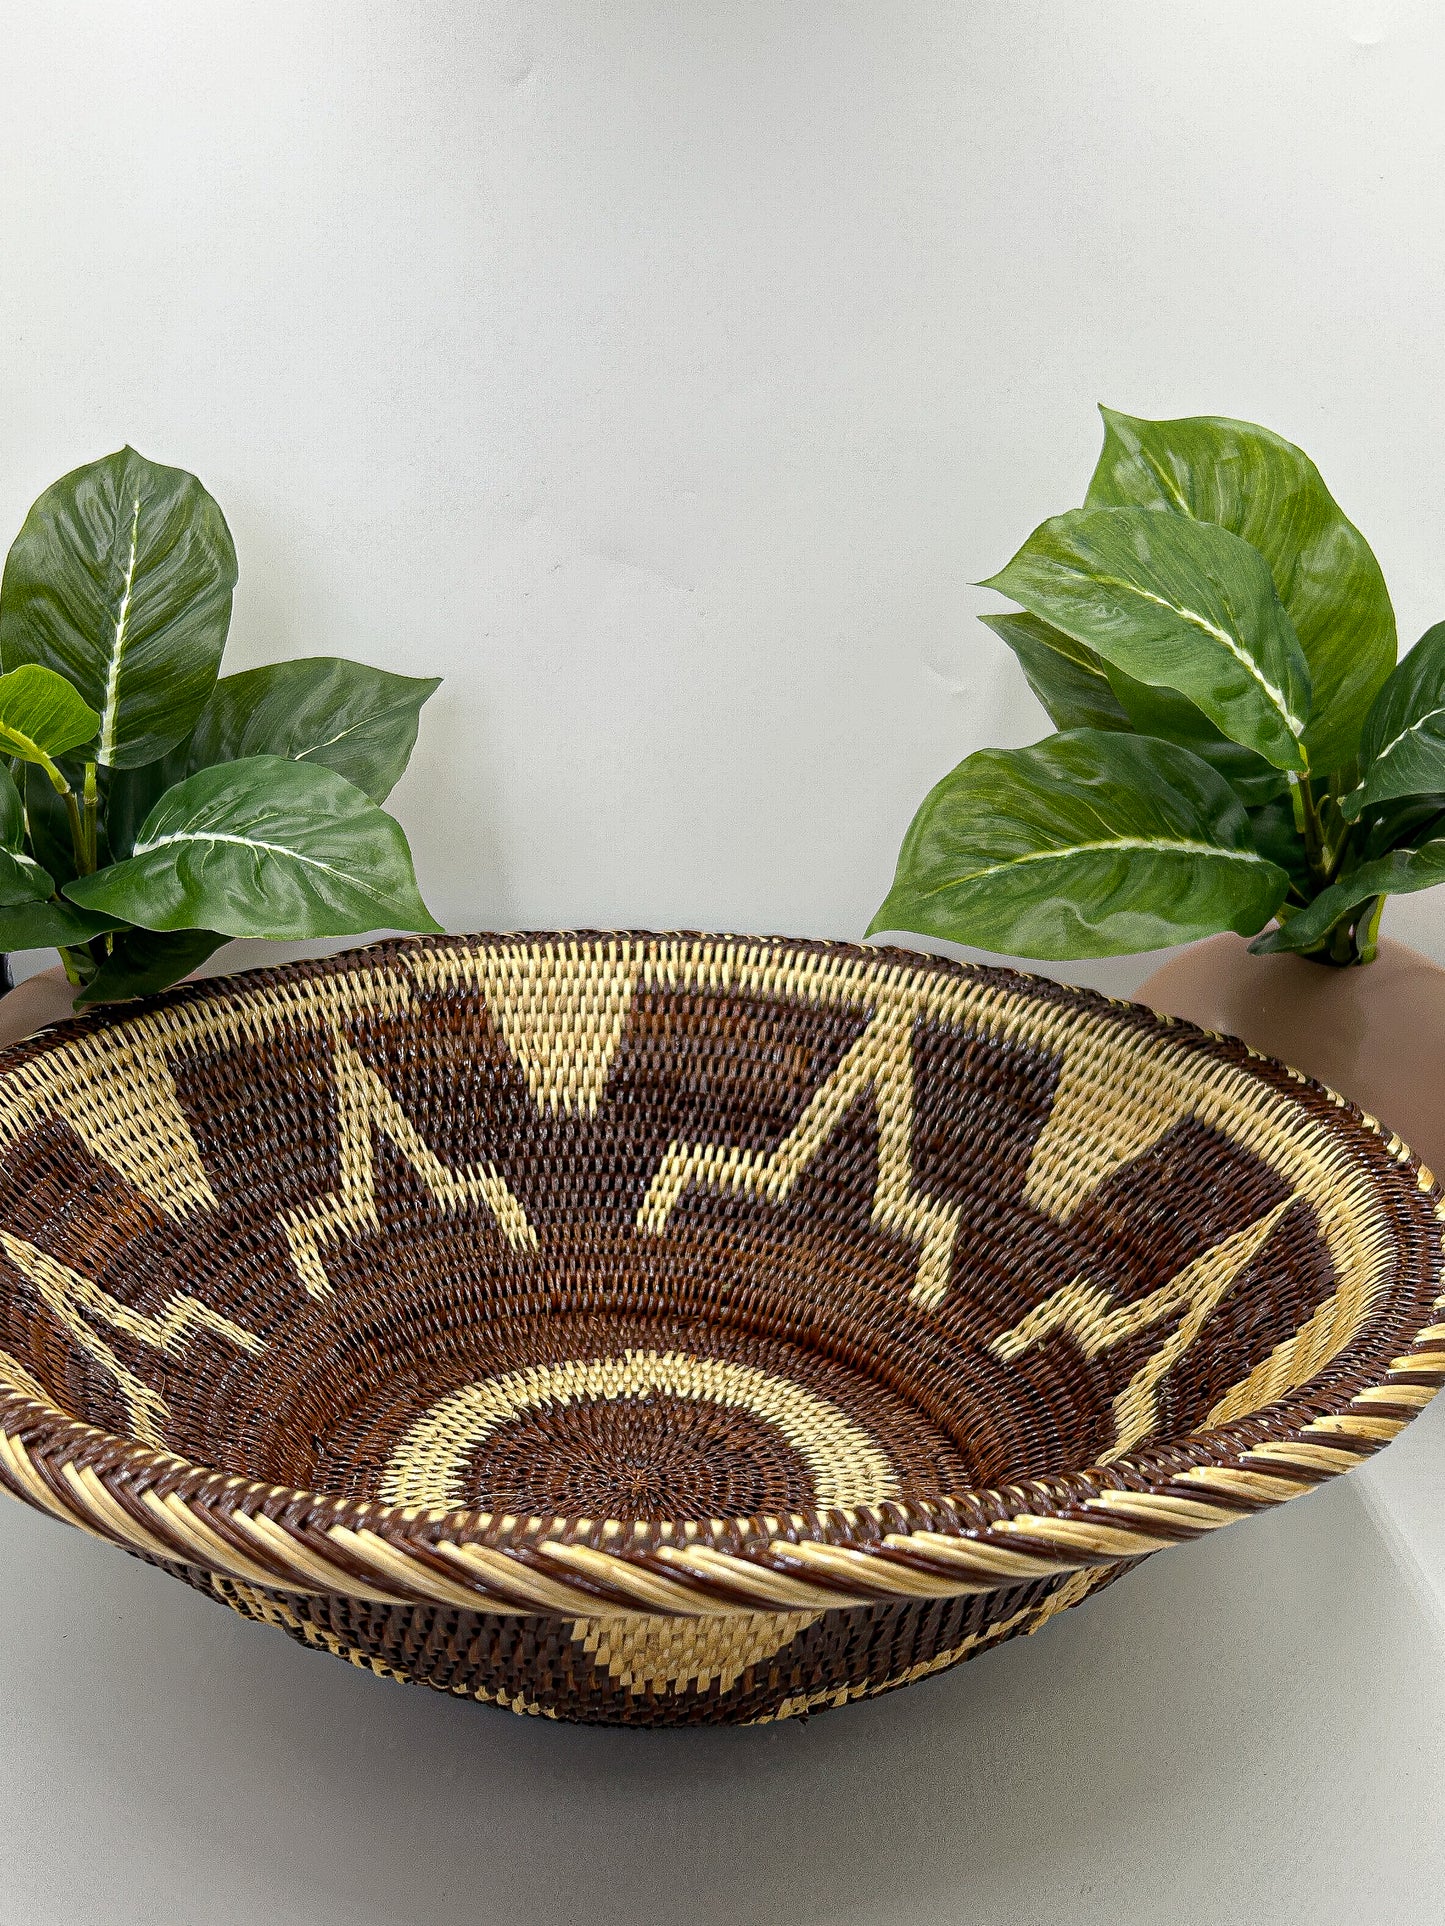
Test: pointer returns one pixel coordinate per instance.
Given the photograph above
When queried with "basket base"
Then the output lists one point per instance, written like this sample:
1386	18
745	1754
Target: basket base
745	1668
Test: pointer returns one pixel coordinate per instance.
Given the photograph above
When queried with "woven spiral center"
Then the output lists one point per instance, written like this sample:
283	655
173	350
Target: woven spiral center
638	1457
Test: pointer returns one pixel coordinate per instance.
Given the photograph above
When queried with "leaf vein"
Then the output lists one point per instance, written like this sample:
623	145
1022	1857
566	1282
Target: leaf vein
111	707
1183	846
1276	695
254	843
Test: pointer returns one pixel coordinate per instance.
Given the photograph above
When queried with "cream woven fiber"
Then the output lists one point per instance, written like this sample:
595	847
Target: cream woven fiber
665	1327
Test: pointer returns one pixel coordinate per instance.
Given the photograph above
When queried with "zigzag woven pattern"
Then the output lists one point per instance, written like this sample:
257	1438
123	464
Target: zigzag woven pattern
668	1328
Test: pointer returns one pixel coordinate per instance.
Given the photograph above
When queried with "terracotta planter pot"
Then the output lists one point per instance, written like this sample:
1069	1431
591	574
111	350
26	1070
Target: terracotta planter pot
35	1004
1375	1033
41	1000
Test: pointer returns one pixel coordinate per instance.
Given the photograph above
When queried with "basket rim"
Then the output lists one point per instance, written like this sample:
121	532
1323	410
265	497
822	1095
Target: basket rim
172	1509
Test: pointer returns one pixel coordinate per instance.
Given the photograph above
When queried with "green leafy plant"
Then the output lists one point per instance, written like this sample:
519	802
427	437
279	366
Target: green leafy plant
149	811
1236	749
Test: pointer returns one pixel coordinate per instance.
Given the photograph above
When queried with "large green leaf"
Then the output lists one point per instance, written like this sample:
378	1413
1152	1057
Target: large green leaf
47	926
1398	874
121	580
1088	844
1173	603
1066	676
359	721
1405	823
144	961
47	823
22	880
127	797
1275	834
1167	714
41	716
1402	745
263	847
1269	493
12	811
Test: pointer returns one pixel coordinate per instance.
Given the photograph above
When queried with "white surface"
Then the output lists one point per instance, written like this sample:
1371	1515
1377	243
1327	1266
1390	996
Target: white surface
1249	1728
663	374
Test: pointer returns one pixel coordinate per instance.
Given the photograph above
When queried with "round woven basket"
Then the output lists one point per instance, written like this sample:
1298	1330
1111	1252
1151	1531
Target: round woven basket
675	1329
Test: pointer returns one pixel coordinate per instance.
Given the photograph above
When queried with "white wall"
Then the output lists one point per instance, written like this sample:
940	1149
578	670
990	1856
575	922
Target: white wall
663	374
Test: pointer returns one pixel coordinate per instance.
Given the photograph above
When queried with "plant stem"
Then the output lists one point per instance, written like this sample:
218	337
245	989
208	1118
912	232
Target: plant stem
80	962
77	832
1342	945
92	806
79	841
1307	817
1367	931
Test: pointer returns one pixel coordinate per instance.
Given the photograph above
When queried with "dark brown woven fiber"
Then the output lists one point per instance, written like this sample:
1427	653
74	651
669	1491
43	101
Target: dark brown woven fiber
654	1329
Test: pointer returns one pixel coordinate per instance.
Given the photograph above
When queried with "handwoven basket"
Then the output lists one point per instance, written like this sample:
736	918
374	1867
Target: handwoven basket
673	1329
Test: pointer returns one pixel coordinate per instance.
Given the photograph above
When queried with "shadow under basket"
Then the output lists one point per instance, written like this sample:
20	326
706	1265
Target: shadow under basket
683	1329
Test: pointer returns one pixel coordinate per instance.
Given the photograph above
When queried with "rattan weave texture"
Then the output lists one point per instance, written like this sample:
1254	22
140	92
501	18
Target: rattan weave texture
662	1329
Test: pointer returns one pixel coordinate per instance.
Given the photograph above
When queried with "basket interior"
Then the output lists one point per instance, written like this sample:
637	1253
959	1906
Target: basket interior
674	1228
